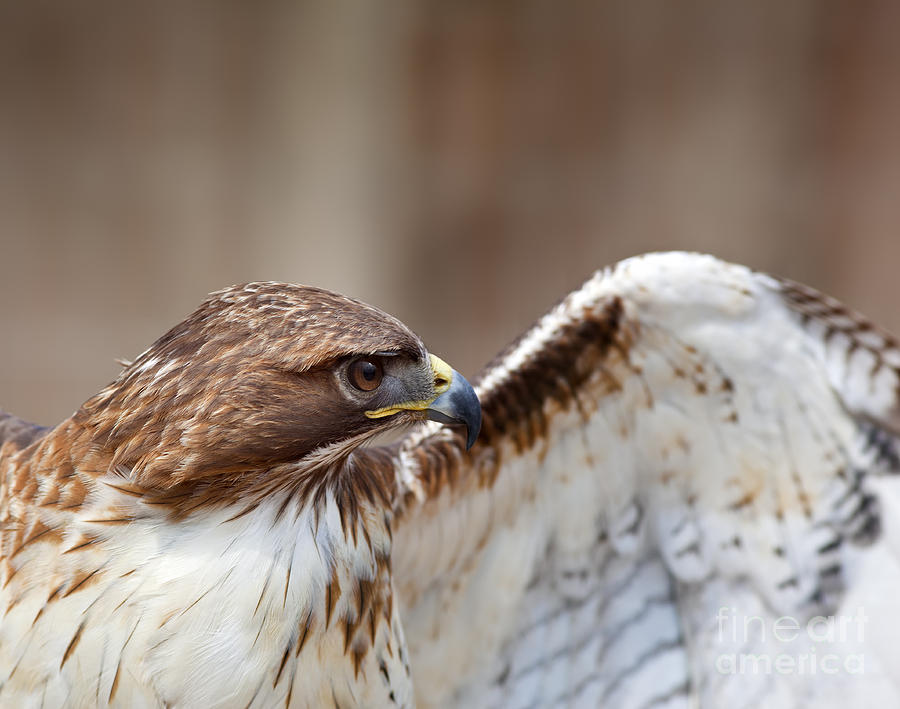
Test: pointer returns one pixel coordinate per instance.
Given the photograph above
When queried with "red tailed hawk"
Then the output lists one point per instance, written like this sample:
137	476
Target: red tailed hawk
673	500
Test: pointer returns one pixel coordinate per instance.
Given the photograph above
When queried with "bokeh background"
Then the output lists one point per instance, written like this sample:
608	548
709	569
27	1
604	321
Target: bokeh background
460	164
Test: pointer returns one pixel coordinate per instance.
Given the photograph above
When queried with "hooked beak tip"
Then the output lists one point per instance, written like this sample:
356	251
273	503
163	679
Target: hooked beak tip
458	405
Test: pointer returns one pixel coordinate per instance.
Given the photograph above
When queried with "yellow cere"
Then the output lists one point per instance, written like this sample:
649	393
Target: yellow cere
443	378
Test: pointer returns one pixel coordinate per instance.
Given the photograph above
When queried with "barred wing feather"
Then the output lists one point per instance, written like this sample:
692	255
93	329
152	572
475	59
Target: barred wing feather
674	501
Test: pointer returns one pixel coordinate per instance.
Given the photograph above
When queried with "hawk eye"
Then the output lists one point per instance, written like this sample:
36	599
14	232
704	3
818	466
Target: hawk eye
365	374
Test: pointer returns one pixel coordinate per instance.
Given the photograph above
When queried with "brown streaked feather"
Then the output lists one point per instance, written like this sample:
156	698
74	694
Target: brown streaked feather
848	333
284	658
304	632
80	580
515	409
73	643
554	372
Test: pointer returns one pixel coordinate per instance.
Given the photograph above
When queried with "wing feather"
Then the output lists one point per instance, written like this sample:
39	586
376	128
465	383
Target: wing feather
672	459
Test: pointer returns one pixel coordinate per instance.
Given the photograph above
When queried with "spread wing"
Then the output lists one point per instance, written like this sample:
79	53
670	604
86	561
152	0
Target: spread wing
675	500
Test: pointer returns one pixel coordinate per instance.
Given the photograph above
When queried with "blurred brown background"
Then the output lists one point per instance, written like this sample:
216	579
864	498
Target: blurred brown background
460	164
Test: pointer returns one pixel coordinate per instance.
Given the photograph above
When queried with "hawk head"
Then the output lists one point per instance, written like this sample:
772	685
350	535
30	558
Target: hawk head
264	374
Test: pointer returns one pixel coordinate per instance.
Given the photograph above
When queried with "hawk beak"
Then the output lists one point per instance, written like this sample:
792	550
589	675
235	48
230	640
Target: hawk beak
457	404
455	401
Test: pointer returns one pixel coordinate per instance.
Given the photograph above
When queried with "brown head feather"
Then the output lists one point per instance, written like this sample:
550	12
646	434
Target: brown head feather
243	384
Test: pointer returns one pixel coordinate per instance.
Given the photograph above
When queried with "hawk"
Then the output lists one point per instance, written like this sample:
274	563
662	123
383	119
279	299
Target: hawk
670	495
